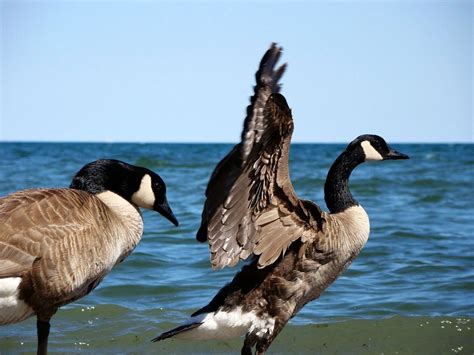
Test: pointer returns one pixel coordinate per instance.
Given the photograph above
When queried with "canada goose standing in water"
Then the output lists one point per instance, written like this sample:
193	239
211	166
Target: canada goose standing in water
252	210
56	245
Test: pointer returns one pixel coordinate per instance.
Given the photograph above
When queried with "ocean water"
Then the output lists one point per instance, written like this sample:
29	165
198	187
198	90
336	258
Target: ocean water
410	291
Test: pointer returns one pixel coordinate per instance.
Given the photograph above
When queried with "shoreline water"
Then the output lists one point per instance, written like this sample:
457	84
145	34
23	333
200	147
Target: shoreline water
109	332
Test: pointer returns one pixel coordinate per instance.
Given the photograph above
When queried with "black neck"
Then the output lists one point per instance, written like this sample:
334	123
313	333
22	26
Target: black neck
337	195
108	174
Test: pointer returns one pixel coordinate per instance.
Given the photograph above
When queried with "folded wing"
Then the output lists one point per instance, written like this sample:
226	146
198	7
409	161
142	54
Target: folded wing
35	221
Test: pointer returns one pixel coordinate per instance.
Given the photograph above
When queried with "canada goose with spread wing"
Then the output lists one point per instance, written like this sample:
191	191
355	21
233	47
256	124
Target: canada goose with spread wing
56	245
296	249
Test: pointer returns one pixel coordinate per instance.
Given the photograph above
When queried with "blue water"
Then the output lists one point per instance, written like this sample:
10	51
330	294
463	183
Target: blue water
415	275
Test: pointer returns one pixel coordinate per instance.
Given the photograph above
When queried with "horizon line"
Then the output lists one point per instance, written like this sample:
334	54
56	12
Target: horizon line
209	142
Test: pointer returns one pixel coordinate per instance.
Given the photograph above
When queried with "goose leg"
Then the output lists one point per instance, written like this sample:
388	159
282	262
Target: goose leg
264	342
262	347
249	342
42	328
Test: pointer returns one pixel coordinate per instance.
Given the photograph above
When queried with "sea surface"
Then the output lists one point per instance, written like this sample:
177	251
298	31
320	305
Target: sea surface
410	291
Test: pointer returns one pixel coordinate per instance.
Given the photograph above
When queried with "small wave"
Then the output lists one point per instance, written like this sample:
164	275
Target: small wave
151	162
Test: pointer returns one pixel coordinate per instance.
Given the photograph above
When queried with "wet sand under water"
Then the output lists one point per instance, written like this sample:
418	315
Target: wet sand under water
397	335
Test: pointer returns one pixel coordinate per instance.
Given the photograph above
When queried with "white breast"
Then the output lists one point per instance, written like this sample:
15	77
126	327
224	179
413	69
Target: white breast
130	229
12	309
353	228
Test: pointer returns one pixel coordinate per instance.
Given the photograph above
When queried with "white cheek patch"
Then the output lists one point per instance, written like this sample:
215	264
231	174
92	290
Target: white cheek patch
370	152
145	196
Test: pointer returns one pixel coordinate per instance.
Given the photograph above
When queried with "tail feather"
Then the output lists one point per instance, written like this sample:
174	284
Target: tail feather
177	330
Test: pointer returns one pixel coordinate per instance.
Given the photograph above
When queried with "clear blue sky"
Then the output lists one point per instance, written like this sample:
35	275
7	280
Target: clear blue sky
183	71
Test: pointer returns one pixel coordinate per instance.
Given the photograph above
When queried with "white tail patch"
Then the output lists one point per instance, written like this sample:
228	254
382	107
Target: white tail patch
12	309
226	325
370	152
144	197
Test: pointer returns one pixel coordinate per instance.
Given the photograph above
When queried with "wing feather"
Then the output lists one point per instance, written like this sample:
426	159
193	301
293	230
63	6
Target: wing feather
251	205
13	261
33	221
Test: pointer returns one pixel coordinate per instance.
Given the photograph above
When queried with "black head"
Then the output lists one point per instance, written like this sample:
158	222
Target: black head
367	147
137	185
370	147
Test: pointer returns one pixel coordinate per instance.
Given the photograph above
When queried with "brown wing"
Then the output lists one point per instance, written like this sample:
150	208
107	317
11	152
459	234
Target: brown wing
251	206
267	78
34	221
13	261
228	170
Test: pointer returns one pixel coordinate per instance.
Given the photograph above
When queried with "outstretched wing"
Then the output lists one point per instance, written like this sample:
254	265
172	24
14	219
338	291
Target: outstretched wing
229	168
267	78
251	206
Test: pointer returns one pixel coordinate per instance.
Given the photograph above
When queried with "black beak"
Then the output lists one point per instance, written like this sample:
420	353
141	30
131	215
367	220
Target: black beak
394	155
165	210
